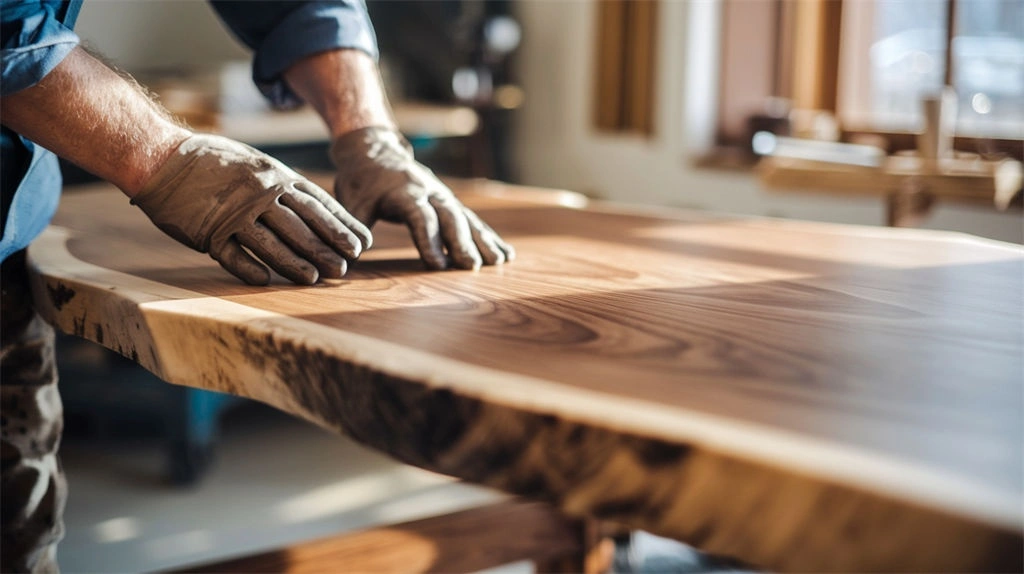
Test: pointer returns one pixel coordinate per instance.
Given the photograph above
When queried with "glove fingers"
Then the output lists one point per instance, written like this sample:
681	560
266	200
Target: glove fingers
363	211
330	204
236	261
293	231
275	253
510	252
426	234
489	252
456	233
492	248
327	227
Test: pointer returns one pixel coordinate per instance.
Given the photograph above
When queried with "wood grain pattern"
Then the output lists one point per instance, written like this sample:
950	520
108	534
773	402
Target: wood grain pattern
801	396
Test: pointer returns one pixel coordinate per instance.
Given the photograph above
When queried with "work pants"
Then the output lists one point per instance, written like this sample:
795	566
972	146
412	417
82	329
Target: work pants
33	487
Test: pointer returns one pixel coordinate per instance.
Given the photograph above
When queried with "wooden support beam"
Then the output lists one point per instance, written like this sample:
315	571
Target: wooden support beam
625	65
816	53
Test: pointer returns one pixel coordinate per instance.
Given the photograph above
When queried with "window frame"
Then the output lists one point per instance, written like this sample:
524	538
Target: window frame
814	47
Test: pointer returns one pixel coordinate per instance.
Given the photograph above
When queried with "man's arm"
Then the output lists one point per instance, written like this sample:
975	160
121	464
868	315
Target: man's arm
90	115
283	32
208	192
378	178
324	52
344	87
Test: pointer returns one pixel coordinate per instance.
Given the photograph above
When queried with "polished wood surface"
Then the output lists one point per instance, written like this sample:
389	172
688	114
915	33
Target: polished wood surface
801	396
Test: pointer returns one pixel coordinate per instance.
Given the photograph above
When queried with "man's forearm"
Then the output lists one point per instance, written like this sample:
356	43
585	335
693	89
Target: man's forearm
344	87
87	113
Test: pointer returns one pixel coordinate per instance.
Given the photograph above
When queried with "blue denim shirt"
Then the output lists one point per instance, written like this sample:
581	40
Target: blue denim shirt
36	35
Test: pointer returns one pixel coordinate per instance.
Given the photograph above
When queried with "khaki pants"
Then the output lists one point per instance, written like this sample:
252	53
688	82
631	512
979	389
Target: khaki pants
33	487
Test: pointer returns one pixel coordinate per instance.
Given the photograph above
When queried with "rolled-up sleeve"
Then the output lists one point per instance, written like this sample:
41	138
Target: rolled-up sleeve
281	33
34	42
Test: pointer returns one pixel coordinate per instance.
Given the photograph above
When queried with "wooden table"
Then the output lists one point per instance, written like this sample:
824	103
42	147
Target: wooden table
801	396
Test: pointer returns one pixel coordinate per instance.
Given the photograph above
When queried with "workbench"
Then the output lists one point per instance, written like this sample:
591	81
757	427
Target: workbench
800	396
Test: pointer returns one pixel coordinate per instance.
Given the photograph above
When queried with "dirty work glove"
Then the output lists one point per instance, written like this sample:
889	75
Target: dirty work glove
219	196
378	178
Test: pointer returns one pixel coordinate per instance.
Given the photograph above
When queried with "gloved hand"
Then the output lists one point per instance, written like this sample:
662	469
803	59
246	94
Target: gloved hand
217	195
378	178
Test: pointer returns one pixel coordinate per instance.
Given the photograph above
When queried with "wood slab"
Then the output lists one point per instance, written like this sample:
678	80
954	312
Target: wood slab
800	396
466	541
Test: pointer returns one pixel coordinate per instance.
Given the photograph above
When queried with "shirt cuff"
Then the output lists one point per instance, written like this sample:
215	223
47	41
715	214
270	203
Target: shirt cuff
38	45
311	29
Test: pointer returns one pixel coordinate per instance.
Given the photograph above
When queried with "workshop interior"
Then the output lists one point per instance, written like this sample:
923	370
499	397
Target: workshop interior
876	113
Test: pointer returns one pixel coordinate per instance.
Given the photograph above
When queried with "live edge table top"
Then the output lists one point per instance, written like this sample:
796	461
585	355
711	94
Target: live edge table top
797	395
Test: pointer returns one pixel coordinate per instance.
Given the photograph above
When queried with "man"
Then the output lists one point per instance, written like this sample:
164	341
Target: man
248	211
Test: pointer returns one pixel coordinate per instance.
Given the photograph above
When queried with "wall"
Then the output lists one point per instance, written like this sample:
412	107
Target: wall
556	146
157	34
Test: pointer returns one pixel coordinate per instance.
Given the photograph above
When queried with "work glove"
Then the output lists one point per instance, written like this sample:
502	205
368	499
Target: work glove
219	196
378	178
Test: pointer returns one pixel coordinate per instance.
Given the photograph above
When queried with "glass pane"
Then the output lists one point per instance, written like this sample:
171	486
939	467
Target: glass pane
988	67
907	59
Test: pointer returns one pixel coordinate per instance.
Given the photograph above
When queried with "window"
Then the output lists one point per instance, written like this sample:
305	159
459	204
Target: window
896	51
864	66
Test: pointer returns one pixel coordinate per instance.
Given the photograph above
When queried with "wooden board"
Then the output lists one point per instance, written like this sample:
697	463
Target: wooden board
466	541
968	181
801	396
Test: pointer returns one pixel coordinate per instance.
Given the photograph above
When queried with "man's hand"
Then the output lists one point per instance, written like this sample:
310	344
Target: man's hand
212	194
219	196
378	178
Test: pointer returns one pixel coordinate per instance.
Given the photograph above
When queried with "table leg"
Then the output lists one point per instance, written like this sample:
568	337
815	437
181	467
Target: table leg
908	206
594	555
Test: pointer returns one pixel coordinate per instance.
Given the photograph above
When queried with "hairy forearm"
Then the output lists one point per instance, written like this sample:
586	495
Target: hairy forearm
344	87
88	114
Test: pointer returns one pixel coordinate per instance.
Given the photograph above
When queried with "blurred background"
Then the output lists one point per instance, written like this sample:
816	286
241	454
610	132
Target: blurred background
739	106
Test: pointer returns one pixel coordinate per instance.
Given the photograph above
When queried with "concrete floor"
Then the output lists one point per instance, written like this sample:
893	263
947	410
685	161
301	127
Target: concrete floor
275	481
